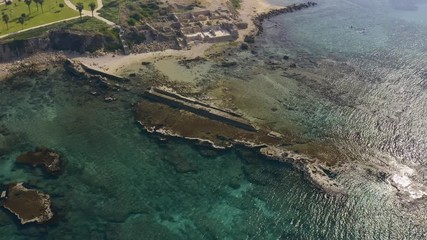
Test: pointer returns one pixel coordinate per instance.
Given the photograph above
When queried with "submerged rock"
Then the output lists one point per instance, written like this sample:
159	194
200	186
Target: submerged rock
244	46
28	205
249	39
49	159
180	164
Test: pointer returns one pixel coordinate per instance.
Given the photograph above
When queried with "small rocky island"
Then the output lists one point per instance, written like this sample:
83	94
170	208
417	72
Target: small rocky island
47	158
28	205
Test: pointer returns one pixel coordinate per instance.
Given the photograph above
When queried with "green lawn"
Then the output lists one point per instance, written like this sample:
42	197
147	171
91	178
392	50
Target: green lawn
85	3
87	24
52	13
111	10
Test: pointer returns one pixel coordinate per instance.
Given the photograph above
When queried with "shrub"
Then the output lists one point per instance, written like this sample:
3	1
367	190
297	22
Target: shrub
131	22
136	16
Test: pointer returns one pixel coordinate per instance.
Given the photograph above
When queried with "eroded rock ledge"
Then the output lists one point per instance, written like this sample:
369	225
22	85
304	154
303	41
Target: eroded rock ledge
165	114
28	205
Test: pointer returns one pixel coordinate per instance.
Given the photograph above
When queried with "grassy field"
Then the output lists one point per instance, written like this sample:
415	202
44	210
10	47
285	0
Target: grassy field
85	3
52	13
86	24
111	10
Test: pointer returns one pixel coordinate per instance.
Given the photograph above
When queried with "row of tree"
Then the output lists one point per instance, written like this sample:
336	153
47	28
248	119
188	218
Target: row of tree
22	18
80	7
28	2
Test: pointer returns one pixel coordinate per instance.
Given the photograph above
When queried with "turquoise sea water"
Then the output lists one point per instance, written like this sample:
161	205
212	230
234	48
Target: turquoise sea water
371	97
121	183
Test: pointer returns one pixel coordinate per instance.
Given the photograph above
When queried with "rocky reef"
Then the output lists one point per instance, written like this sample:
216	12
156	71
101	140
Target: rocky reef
50	160
28	205
206	124
166	115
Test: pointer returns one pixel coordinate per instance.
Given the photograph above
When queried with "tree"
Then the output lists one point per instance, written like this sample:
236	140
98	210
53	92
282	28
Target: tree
21	20
92	6
79	7
41	4
5	19
28	2
37	4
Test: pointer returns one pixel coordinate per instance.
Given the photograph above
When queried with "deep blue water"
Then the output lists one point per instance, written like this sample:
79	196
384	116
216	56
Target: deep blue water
121	183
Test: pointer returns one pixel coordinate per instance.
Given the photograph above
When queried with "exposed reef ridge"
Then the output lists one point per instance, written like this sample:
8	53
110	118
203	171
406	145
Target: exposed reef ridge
168	116
49	159
191	105
28	205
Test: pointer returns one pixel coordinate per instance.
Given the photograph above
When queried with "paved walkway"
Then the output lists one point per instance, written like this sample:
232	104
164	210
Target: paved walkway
89	13
72	6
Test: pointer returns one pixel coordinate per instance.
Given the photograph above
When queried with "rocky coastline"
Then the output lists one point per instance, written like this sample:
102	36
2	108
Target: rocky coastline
260	18
31	65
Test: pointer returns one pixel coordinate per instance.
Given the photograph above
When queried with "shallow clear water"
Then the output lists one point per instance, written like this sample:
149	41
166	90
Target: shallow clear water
370	100
121	183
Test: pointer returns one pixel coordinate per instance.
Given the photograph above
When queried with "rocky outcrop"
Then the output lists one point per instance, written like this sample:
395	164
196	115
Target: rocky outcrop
81	41
197	107
28	205
94	71
165	113
22	48
50	160
75	69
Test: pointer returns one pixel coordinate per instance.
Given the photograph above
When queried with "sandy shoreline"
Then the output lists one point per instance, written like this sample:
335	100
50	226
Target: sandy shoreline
116	63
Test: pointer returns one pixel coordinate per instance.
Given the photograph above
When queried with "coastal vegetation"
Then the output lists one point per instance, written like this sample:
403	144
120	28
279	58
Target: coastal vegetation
92	7
133	12
79	7
87	24
85	3
111	10
36	13
236	3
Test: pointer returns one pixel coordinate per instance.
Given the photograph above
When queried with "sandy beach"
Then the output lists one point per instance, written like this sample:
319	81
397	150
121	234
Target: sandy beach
249	9
117	64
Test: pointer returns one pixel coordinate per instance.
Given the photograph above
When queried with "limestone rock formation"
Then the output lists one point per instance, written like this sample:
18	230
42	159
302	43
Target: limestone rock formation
28	205
49	159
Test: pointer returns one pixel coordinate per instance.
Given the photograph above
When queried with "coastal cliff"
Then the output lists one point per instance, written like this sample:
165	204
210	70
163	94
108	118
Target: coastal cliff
65	40
22	48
